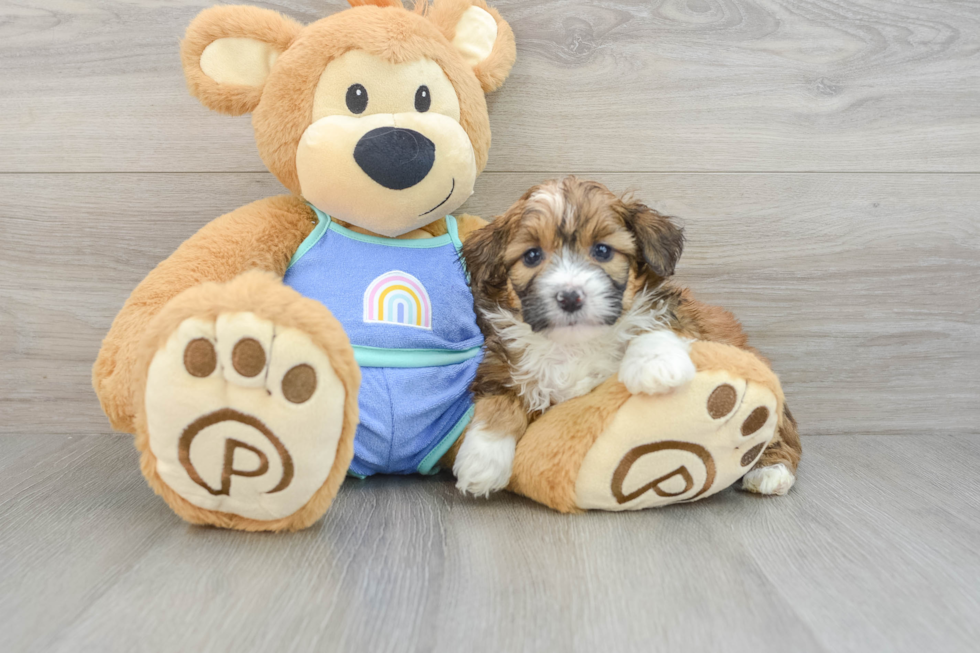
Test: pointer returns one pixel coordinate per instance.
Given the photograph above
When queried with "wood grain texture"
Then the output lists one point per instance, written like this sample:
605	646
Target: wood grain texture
626	85
859	287
874	550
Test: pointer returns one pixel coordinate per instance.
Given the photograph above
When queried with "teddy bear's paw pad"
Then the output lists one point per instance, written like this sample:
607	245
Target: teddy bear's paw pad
678	447
243	416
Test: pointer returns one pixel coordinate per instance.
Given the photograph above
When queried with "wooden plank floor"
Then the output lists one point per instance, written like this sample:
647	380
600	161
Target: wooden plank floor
872	551
824	156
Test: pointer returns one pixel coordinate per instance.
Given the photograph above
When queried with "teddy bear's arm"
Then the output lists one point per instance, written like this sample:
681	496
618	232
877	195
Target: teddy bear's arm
262	235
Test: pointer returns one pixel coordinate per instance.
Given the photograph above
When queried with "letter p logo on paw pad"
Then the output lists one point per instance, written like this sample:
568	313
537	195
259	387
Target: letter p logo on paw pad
232	445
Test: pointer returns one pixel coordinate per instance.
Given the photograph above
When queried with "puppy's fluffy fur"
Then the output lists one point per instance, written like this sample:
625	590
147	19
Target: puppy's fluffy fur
570	288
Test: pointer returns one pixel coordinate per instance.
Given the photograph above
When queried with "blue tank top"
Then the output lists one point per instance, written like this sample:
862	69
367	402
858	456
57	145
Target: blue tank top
407	308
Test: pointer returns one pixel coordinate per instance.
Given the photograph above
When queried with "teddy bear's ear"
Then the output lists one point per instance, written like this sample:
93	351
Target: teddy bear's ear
479	33
228	53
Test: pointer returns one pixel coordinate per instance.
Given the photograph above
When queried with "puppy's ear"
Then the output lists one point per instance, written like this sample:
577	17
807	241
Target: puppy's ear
660	240
483	252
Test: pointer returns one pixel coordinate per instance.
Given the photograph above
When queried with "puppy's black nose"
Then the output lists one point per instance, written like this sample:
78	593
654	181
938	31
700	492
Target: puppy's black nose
395	158
569	300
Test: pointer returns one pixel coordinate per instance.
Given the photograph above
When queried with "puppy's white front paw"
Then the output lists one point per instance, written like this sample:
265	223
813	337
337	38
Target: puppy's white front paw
774	479
484	461
655	363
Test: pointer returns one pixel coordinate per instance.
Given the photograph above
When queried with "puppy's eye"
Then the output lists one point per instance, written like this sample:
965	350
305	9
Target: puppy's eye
533	256
602	252
423	99
357	98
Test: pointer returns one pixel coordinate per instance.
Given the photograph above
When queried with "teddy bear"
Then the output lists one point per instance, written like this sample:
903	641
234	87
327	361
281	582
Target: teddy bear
329	333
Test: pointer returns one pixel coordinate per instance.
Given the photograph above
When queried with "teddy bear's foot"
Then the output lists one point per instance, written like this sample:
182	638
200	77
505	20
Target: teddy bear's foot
679	447
615	451
244	417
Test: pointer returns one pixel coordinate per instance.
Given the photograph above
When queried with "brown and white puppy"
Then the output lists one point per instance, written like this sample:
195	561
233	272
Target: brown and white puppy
570	289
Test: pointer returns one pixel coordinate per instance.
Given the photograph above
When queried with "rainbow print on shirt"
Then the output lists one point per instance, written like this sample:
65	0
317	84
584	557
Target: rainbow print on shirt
398	298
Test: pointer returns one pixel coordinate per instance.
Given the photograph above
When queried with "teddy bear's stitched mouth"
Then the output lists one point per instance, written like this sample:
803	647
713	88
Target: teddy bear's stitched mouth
451	191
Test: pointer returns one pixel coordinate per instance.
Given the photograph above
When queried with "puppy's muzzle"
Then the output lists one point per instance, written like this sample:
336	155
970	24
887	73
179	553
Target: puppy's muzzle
394	157
569	300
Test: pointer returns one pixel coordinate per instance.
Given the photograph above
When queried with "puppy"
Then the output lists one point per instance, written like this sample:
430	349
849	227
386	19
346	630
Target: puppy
570	288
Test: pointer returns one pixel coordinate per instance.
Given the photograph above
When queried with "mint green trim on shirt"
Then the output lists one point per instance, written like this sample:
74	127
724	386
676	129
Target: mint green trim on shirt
415	243
453	228
429	464
383	357
323	222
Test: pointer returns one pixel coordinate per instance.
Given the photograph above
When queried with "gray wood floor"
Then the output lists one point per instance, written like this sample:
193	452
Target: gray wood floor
824	156
874	550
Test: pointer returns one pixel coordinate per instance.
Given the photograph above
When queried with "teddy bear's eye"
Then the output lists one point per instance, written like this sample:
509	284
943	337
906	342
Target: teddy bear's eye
357	98
423	99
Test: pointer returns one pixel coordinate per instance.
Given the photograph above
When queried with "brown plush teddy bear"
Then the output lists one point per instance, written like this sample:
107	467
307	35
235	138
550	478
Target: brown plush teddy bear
247	361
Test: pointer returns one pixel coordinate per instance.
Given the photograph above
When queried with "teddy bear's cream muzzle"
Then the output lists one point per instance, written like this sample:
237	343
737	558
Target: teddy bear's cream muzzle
388	173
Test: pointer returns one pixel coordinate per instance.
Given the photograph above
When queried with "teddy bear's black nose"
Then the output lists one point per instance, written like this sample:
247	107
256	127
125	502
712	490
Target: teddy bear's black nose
394	157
